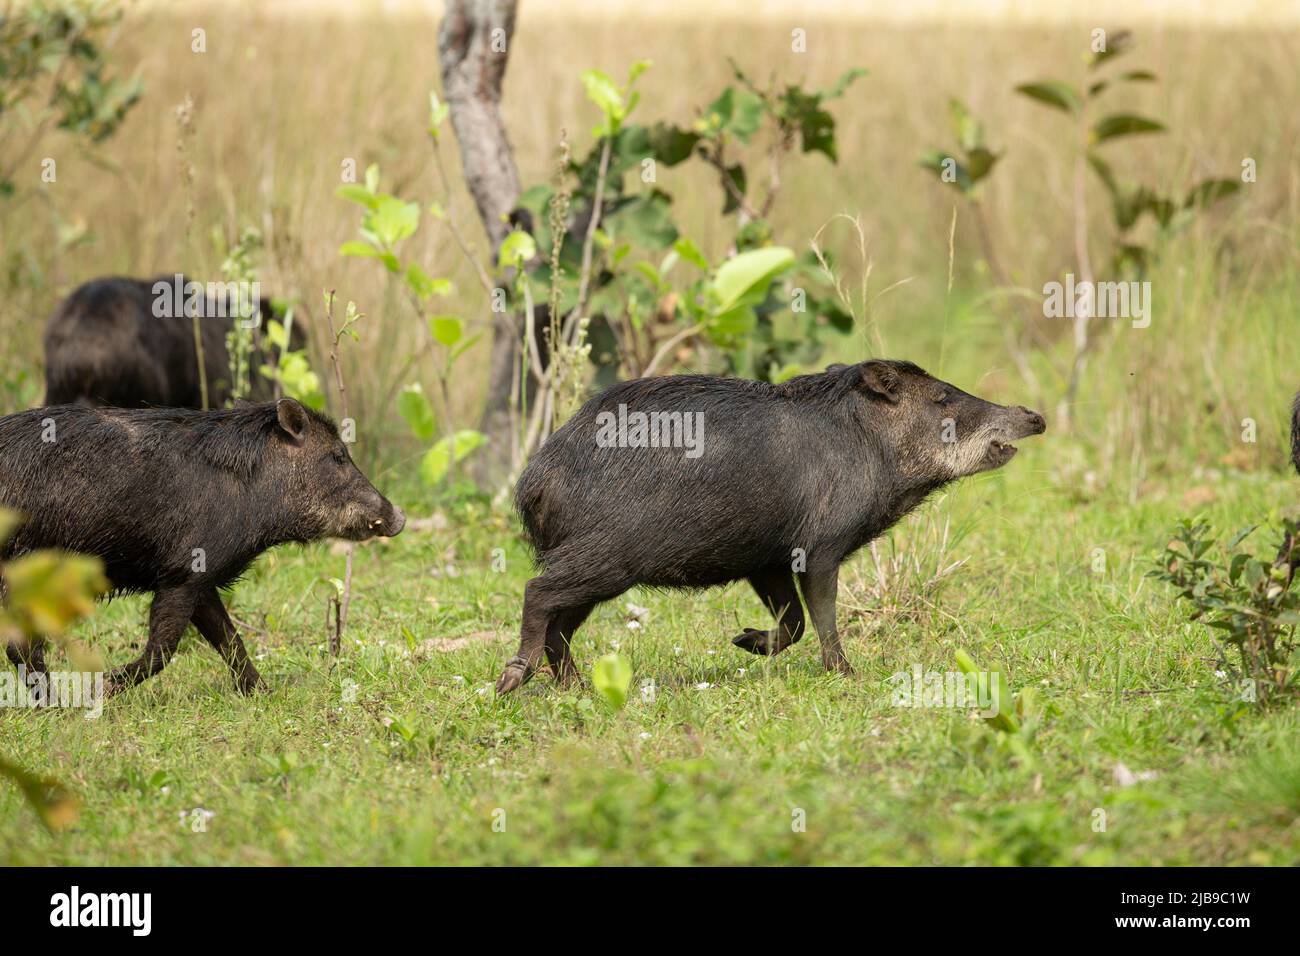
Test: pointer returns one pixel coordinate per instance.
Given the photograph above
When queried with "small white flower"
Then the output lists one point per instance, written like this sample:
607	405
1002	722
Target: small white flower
1127	778
634	625
645	735
703	685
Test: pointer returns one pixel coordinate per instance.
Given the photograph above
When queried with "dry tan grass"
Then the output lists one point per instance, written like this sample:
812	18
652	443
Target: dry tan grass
283	100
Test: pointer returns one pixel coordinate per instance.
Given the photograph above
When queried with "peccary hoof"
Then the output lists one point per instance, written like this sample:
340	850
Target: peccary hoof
514	675
251	687
755	641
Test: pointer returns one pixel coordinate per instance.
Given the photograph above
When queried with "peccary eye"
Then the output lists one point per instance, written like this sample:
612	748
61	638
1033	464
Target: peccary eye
940	397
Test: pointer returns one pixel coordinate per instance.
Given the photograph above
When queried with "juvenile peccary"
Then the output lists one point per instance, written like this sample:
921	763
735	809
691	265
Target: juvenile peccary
179	503
765	481
129	343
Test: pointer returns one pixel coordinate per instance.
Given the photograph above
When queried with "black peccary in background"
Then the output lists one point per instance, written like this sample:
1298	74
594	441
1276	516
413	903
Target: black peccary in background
786	479
179	503
106	344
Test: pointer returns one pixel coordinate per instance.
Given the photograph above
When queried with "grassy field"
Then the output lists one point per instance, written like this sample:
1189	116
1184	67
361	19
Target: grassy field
712	769
398	751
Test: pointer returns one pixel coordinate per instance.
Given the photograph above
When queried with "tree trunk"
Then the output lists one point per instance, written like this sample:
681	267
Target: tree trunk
473	47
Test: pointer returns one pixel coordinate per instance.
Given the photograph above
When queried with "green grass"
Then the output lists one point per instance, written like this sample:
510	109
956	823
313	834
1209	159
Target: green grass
701	774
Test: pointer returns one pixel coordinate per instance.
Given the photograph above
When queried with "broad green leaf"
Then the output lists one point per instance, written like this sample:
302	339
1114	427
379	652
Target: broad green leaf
691	253
748	275
447	329
420	283
646	221
969	130
784	373
436	461
359	249
1124	124
414	407
1211	191
741	112
611	677
357	194
393	220
516	248
980	163
1103	171
49	590
940	163
733	324
1003	702
672	144
604	92
1053	93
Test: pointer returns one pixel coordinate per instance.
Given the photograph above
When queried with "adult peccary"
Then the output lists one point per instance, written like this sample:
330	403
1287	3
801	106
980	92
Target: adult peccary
179	503
691	481
129	343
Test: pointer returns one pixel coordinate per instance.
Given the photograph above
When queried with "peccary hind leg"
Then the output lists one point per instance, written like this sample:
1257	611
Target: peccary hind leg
168	616
775	588
214	624
539	610
558	636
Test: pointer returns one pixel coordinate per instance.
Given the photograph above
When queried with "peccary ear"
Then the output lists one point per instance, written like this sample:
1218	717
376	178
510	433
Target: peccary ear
881	379
292	419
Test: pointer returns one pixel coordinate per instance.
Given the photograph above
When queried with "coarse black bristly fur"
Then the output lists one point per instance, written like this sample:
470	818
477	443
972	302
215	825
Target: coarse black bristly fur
788	479
179	502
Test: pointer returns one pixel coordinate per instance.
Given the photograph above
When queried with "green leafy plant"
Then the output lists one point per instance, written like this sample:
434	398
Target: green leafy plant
46	592
293	369
1247	599
612	676
386	223
647	312
965	167
241	339
1128	201
56	74
1016	718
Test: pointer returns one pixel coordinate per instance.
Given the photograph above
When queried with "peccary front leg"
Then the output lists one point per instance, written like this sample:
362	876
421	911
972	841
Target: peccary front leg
820	586
214	624
168	615
775	588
